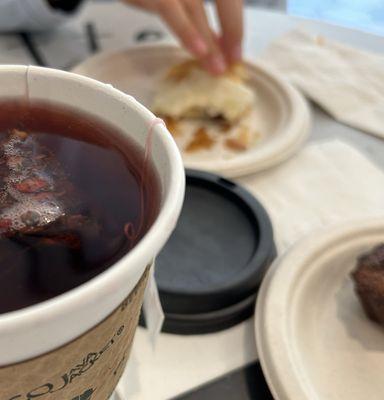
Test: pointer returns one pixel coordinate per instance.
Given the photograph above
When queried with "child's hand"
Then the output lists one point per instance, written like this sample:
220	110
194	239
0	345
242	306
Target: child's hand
188	20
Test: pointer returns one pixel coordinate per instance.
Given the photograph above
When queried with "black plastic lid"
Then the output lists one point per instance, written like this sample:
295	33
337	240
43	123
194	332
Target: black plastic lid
187	324
210	269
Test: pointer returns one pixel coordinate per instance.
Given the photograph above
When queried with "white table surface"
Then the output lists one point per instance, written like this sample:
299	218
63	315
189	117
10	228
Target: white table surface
117	26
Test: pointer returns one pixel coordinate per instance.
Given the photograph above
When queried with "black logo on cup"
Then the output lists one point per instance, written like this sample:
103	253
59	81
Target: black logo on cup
87	395
78	370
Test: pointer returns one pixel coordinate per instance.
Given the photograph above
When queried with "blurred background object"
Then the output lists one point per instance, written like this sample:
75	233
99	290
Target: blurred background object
361	14
110	25
274	4
367	15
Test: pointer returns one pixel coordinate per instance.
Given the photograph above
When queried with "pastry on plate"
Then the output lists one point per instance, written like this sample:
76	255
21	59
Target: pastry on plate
369	283
188	91
207	113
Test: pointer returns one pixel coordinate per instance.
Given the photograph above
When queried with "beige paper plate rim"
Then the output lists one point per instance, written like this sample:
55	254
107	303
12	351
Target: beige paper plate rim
281	361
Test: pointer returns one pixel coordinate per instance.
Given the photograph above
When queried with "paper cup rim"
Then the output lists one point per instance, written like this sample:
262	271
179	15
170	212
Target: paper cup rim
154	239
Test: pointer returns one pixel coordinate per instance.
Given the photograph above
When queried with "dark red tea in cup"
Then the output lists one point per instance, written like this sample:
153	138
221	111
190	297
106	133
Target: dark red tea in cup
74	198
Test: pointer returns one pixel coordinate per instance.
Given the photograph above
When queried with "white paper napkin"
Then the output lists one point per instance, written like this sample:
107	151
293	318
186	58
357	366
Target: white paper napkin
324	184
348	83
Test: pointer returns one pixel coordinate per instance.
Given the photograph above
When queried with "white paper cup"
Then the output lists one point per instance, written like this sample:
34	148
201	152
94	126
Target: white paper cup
43	328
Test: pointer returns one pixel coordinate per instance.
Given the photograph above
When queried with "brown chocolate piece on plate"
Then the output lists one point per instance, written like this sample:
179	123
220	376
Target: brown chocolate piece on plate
369	283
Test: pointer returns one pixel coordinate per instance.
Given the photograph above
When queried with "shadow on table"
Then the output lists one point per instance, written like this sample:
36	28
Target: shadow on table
244	384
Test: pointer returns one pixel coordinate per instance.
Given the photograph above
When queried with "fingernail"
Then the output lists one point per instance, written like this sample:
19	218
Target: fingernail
199	47
236	53
217	64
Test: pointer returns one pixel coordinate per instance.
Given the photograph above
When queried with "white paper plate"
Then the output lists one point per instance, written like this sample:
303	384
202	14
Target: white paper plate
281	117
313	338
